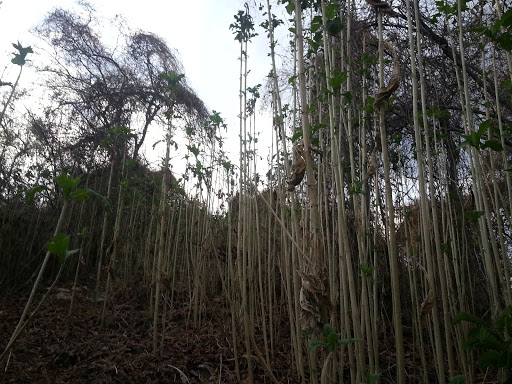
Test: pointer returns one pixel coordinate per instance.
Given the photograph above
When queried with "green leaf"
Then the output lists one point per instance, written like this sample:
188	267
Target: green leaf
85	193
332	340
84	234
492	144
474	215
347	341
484	337
475	137
490	340
488	359
20	57
438	114
67	183
463	316
468	141
172	79
193	149
347	97
458	380
290	8
505	42
315	344
366	270
117	134
357	188
499	32
80	194
504	322
336	81
331	10
316	24
327	330
483	127
73	251
314	44
334	26
506	18
31	194
317	127
297	136
372	378
369	106
59	246
445	8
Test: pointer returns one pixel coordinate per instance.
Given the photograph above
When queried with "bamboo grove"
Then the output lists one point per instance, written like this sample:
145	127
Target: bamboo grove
376	249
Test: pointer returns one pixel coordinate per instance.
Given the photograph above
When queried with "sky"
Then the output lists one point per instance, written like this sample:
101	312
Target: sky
198	30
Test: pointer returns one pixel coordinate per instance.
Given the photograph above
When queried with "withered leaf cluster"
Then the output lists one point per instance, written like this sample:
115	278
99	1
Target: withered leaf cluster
314	300
298	166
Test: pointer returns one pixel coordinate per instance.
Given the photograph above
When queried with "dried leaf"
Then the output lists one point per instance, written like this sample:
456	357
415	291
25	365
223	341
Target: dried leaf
311	282
314	299
426	306
310	311
298	166
372	165
394	80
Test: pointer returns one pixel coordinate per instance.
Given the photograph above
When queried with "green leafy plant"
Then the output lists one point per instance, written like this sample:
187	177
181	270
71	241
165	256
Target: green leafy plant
116	134
371	378
57	246
447	9
20	58
357	188
473	216
499	32
458	380
493	342
69	190
367	271
243	27
331	341
474	139
337	80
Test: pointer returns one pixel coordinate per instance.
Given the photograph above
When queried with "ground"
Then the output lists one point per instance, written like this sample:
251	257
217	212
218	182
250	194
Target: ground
59	349
56	348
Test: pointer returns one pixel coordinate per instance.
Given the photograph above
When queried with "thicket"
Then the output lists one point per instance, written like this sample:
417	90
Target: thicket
377	245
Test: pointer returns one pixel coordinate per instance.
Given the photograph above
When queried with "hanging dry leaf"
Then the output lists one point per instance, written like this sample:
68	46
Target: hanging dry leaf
372	165
394	80
310	311
298	166
314	301
426	306
311	282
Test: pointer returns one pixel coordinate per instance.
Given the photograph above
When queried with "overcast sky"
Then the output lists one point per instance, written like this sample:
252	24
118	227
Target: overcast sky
198	30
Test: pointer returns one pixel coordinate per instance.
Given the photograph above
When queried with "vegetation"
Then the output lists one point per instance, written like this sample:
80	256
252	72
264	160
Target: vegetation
385	213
